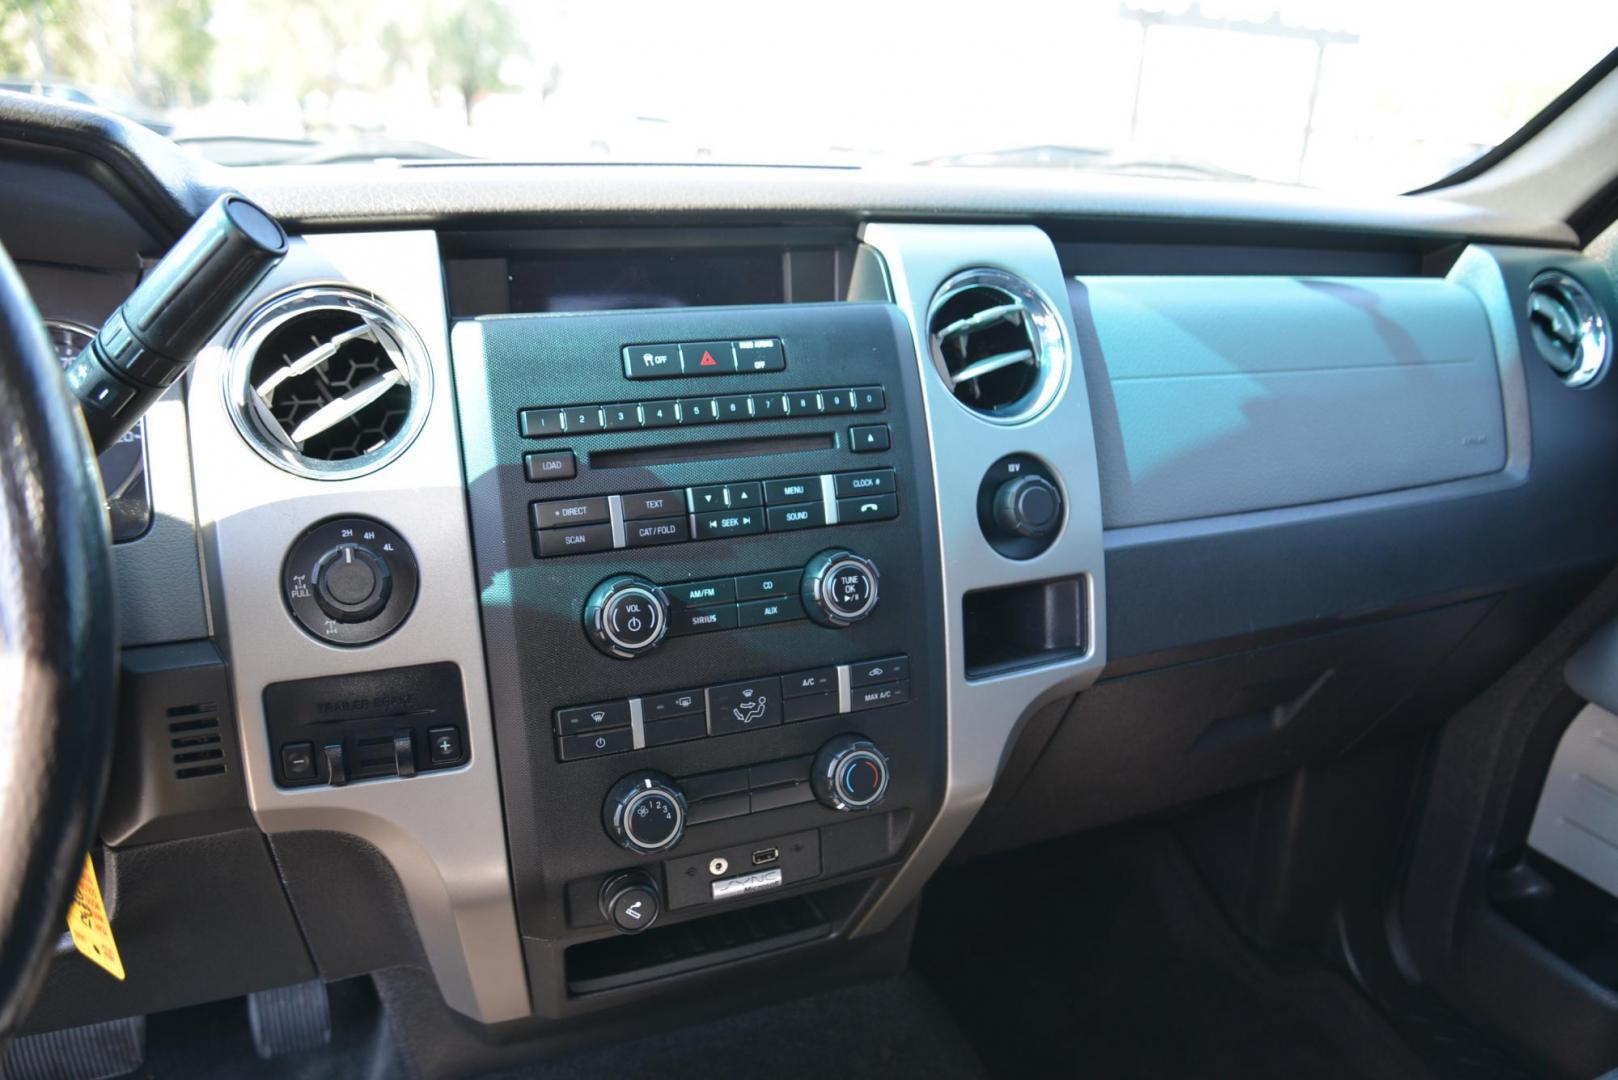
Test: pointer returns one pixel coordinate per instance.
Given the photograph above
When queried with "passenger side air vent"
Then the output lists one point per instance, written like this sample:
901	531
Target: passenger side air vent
1568	328
328	384
998	344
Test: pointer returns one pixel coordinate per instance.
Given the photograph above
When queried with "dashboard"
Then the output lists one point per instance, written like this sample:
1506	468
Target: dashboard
595	588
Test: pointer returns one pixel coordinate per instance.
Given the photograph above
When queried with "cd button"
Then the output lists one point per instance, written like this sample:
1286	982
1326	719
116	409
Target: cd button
764	586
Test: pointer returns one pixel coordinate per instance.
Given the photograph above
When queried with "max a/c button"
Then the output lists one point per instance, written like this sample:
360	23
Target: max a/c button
875	697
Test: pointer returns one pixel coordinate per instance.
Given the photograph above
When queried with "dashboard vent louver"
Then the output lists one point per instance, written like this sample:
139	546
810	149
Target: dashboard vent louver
194	741
997	343
328	383
1568	328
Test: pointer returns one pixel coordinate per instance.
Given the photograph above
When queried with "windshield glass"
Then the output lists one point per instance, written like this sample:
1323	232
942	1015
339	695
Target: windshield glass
1374	95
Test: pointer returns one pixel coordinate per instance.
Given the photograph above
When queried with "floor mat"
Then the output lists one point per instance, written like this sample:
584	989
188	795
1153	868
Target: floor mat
871	1031
1106	957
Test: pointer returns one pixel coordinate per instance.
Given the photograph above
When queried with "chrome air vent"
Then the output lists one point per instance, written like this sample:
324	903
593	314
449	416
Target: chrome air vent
998	344
1568	328
328	383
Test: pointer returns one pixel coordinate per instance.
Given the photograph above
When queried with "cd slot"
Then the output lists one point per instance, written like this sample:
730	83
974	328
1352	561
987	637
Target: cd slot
716	450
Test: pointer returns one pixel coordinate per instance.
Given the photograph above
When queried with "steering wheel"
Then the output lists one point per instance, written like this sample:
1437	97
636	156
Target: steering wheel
57	648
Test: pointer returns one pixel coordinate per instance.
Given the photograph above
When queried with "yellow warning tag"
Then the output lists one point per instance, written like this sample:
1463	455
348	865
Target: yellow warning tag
87	922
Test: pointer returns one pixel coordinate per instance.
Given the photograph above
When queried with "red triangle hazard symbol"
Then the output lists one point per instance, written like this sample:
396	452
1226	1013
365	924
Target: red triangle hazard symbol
707	360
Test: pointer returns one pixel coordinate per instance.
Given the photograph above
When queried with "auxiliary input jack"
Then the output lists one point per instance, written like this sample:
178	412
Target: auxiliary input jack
718	865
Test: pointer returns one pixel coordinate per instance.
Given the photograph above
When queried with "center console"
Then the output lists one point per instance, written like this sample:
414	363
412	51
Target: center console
707	562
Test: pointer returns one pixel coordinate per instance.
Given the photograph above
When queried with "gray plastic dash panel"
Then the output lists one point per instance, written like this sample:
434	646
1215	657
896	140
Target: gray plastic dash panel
1576	823
1224	395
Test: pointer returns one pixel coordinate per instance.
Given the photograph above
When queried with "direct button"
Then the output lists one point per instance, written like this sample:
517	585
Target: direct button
744	706
554	515
654	504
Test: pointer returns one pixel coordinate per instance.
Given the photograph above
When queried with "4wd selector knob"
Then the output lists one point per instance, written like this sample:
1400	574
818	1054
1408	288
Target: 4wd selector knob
1028	506
850	773
627	616
351	583
645	812
840	588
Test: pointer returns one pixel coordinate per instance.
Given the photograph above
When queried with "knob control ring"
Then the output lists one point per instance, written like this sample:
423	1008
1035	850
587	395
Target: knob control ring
620	638
1005	507
834	774
819	595
328	618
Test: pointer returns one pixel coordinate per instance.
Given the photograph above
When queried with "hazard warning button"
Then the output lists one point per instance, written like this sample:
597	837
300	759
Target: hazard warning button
708	358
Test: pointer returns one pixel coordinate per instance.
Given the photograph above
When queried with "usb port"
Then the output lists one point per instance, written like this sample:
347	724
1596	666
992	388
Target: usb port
764	856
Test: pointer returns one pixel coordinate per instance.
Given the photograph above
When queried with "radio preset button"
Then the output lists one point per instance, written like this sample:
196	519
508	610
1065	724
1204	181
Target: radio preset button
569	512
769	406
697	411
583	418
870	399
539	423
619	417
733	407
805	403
838	401
764	586
659	414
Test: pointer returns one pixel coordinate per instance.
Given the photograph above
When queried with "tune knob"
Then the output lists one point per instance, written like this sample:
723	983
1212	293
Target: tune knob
840	588
645	812
627	616
1028	506
850	773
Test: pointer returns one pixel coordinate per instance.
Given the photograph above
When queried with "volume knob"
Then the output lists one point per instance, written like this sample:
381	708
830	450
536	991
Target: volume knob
627	616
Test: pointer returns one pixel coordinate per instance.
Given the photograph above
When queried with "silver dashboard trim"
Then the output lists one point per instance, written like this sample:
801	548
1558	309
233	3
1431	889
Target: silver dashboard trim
443	832
982	717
